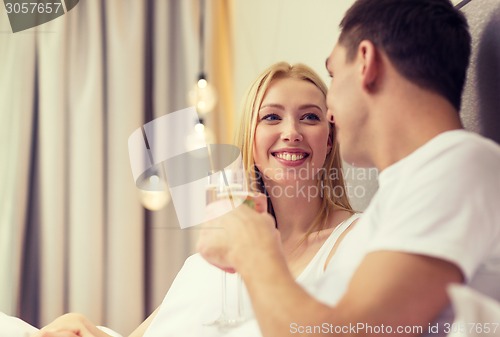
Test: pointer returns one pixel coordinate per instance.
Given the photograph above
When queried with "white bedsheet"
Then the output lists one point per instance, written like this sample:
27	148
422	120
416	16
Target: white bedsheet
469	306
15	327
476	315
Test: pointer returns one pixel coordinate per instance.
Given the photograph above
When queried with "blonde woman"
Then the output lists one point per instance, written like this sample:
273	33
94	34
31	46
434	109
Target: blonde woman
289	148
292	153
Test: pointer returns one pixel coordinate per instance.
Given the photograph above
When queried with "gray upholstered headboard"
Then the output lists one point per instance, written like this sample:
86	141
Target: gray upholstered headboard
481	98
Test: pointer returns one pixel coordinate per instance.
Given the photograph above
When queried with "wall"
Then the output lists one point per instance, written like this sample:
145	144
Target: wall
294	31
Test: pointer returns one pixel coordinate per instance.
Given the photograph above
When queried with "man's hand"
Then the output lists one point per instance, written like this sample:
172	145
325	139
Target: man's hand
247	229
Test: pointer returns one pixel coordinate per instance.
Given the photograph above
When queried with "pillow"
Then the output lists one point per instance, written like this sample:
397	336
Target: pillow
475	313
14	327
110	332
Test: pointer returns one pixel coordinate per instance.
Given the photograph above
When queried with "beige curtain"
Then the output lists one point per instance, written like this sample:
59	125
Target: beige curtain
17	64
165	260
124	281
224	117
73	234
175	39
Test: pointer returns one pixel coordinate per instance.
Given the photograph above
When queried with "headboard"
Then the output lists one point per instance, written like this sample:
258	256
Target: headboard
481	98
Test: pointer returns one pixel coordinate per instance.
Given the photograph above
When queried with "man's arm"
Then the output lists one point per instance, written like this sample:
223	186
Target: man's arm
393	289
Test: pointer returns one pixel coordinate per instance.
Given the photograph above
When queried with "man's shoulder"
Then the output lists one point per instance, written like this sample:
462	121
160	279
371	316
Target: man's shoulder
473	151
471	140
461	150
449	162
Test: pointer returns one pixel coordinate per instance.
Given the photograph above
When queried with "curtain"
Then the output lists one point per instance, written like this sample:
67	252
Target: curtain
17	65
223	120
164	259
73	234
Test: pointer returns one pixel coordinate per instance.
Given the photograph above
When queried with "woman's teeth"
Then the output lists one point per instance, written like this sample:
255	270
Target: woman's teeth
290	156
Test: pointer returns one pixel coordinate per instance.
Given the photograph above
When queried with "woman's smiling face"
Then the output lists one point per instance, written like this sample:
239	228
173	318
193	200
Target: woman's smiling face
291	136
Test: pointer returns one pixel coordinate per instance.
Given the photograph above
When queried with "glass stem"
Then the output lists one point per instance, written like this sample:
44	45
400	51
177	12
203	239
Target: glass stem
224	294
239	296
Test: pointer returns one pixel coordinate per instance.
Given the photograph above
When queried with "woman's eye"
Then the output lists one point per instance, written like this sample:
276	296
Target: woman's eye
271	118
311	117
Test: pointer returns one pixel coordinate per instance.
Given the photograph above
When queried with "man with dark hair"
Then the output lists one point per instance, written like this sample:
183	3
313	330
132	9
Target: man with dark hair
397	71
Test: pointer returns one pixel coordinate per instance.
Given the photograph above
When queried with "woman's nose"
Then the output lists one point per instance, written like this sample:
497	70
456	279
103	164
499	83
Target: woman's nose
291	133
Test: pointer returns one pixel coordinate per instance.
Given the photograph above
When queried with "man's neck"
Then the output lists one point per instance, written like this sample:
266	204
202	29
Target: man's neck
416	123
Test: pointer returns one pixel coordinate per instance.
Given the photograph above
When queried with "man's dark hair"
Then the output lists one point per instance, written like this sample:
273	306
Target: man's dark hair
427	41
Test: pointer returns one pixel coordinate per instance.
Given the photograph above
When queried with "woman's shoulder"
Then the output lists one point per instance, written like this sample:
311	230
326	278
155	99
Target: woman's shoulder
343	217
337	224
341	231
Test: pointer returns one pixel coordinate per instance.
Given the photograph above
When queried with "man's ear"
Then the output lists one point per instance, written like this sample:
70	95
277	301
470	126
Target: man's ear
369	64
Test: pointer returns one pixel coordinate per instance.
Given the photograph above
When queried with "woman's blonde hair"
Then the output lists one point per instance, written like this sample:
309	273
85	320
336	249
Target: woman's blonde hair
328	183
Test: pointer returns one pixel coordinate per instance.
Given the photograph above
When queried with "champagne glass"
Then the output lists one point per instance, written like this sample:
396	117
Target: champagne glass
228	184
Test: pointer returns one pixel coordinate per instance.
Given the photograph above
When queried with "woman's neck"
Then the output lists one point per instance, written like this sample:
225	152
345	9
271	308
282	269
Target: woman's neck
295	208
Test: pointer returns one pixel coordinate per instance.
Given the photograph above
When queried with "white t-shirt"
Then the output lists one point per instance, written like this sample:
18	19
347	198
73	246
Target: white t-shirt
443	200
195	298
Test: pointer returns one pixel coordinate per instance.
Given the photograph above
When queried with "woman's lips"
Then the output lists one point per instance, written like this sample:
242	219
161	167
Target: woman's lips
290	158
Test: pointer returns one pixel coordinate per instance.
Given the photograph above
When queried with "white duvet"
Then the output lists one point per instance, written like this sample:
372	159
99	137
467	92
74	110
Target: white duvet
15	327
469	307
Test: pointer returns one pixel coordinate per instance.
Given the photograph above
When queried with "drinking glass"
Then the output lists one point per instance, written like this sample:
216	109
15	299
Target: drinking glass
228	184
